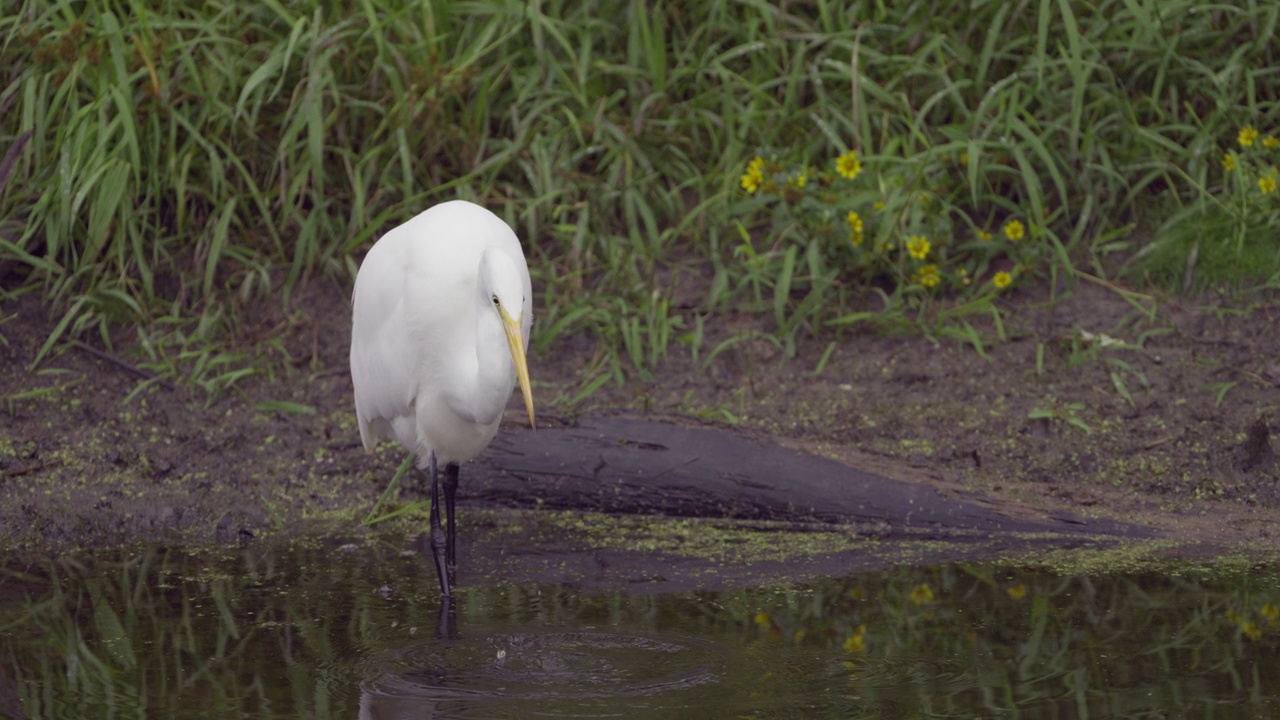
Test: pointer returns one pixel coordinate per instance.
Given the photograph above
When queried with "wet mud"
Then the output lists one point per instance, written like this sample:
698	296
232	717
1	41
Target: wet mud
1029	442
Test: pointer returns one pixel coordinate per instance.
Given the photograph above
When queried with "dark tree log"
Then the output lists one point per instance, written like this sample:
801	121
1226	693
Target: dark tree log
619	465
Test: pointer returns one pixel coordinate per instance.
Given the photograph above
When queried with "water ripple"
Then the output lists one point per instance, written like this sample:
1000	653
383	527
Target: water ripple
550	666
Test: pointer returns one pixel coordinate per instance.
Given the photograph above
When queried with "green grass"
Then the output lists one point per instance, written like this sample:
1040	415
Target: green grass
185	163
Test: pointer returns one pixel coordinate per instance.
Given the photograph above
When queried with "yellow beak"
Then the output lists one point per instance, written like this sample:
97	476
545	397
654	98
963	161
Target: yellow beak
515	341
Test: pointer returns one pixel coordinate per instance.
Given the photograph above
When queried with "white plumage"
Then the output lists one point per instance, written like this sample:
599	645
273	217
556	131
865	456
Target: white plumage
441	316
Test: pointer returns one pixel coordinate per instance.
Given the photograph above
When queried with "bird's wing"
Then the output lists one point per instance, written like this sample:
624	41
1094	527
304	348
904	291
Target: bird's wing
383	351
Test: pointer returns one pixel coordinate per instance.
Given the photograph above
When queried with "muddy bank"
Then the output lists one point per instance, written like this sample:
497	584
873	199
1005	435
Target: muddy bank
897	436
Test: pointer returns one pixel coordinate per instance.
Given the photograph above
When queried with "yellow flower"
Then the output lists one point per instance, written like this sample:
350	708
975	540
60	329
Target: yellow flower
854	642
855	228
918	246
1270	142
1247	135
921	594
762	619
1270	611
1267	184
878	205
1002	279
964	159
929	275
1232	617
1229	162
855	221
1250	629
799	180
1014	230
754	175
848	164
983	235
1017	592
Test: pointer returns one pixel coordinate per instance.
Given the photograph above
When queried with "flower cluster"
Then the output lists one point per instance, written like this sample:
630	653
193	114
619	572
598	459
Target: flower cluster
895	226
754	175
1253	163
855	227
1269	614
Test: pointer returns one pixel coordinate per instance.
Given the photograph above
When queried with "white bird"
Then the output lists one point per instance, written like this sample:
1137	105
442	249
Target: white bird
440	323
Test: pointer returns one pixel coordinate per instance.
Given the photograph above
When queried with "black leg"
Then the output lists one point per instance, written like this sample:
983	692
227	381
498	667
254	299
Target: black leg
451	546
438	543
447	619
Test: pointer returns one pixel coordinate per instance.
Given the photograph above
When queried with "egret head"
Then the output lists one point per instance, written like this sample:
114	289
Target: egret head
503	291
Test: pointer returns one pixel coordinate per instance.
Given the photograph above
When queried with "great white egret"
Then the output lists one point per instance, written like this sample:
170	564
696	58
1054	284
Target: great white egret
440	324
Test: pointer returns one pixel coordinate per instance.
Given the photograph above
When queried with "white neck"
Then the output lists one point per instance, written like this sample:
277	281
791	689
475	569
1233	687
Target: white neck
495	374
488	388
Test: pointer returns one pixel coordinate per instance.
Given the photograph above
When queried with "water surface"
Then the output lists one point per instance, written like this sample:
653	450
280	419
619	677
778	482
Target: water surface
358	630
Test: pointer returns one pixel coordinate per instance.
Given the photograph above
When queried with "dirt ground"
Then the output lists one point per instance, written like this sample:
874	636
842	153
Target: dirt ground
1168	430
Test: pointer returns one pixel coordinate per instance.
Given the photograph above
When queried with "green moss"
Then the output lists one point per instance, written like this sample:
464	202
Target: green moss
916	446
1162	556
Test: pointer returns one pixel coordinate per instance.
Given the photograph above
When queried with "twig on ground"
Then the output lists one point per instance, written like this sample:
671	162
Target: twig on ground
121	362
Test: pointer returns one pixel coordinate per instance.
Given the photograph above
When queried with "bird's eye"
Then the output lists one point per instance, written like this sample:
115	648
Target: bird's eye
495	299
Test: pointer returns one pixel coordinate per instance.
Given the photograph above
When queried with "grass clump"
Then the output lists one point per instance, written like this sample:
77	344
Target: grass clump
1003	145
171	166
1228	235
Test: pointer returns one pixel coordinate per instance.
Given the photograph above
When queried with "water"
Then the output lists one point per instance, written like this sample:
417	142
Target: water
357	631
